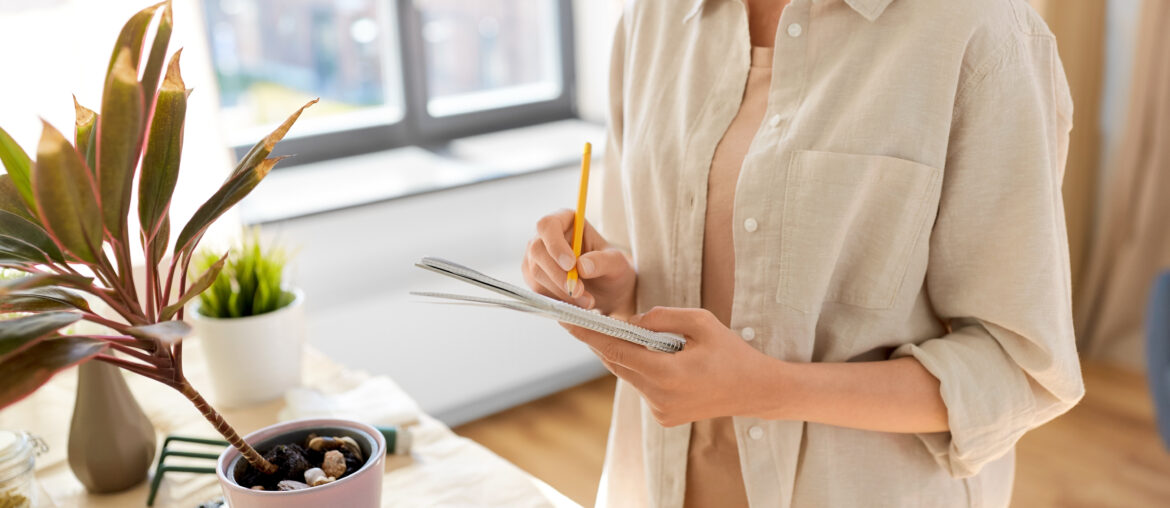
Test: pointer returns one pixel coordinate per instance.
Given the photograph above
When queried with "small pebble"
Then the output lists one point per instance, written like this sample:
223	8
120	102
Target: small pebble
316	476
291	485
320	443
334	464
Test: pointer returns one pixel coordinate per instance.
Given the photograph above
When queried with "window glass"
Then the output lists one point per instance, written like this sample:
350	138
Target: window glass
270	56
488	54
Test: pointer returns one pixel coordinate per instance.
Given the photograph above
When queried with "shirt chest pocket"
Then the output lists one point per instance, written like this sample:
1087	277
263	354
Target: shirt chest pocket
851	224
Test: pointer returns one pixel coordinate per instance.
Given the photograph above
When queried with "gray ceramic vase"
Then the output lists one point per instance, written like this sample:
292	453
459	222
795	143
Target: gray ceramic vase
111	441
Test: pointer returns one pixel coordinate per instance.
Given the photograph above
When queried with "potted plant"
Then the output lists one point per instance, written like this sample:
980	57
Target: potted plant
64	221
252	327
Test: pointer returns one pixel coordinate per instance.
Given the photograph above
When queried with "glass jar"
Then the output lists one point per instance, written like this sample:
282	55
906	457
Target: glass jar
17	457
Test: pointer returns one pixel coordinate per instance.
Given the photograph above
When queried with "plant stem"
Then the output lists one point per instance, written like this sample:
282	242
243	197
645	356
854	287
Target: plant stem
178	349
151	309
137	368
105	272
183	286
128	350
250	454
128	341
110	277
126	270
65	269
166	296
126	314
177	353
113	325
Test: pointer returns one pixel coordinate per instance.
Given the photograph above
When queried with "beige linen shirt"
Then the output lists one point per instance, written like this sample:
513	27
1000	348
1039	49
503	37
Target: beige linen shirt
901	198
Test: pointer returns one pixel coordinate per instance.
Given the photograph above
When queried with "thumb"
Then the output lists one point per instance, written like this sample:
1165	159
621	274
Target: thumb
602	263
683	321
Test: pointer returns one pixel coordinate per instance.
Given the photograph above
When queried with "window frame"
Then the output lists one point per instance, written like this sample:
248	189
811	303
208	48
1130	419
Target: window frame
417	127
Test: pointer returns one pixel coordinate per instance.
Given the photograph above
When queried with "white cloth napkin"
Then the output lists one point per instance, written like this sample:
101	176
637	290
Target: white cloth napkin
377	401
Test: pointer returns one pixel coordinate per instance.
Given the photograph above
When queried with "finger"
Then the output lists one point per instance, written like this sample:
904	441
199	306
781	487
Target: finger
540	261
602	263
548	287
552	229
620	352
544	261
556	290
528	265
618	370
688	322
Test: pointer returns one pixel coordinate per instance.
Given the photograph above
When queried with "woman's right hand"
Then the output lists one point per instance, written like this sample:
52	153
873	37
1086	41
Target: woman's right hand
606	276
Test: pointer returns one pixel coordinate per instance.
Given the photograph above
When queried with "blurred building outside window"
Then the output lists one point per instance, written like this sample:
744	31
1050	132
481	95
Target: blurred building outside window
358	56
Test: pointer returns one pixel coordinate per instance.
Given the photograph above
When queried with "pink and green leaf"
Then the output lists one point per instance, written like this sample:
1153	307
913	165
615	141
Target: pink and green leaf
17	251
160	164
42	280
18	165
233	190
130	39
43	299
23	372
200	285
20	333
158	51
85	133
22	241
158	244
64	191
119	142
264	147
247	174
167	332
12	202
15	226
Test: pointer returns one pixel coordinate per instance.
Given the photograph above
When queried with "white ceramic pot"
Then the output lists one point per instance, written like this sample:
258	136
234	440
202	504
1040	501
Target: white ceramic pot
253	359
362	489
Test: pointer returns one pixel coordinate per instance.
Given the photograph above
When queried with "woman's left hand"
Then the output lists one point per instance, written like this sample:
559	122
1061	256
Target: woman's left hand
711	377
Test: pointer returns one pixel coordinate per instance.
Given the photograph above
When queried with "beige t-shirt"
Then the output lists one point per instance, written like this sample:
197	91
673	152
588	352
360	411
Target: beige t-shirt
713	475
901	198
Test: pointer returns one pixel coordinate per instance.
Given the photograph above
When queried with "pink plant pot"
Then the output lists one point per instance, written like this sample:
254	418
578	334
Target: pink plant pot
358	490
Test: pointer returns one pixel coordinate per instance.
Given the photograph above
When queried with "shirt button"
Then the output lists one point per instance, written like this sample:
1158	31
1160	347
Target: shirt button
750	225
756	432
794	30
774	121
748	333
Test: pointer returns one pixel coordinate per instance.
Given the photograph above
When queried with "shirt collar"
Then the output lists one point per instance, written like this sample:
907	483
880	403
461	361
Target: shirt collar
869	9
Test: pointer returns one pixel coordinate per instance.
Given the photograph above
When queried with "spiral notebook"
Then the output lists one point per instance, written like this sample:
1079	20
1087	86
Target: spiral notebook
524	300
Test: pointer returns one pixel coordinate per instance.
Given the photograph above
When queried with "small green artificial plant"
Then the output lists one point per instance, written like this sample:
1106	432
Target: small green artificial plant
64	223
250	283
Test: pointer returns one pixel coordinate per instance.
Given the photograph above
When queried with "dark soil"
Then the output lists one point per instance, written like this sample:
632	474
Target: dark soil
289	458
292	460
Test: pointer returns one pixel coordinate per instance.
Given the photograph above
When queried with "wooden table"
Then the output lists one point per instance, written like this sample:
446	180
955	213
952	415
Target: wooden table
443	470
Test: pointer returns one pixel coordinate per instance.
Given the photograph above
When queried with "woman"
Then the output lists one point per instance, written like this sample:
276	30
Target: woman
852	210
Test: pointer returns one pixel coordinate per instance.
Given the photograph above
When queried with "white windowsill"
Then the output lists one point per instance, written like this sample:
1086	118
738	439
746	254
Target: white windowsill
337	184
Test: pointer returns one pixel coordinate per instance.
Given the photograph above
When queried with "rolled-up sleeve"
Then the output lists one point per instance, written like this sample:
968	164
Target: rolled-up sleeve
998	271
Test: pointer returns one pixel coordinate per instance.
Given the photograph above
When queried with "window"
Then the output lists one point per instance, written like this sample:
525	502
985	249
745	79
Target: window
484	55
388	73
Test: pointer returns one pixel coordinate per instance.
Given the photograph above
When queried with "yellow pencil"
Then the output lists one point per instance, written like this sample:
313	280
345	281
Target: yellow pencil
579	219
